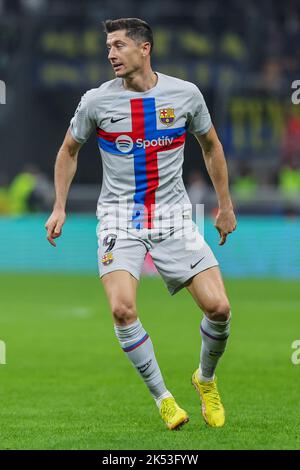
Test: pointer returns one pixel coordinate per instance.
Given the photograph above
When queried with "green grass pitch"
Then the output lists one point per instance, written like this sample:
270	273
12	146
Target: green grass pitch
67	384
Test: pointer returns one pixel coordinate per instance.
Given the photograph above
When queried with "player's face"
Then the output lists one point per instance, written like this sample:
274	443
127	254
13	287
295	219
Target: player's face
124	54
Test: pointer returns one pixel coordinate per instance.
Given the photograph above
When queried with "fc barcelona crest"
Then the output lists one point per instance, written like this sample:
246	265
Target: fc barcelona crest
167	116
107	258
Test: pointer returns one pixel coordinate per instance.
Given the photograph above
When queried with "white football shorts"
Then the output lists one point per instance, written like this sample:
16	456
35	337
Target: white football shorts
178	254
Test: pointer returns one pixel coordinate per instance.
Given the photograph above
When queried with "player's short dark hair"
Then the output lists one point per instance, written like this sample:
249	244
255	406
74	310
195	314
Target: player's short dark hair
136	29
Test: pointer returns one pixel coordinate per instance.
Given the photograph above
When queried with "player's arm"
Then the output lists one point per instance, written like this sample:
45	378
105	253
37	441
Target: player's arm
217	169
64	171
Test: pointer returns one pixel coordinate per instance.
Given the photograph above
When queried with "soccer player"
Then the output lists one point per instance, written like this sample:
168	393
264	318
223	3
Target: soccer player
141	118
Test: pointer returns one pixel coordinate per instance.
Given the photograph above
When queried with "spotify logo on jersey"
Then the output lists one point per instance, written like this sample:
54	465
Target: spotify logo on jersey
124	143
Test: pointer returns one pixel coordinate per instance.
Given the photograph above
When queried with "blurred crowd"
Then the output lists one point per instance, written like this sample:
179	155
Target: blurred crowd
231	49
29	191
259	35
32	191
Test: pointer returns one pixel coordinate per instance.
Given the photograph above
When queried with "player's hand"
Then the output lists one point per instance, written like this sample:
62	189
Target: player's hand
225	223
54	225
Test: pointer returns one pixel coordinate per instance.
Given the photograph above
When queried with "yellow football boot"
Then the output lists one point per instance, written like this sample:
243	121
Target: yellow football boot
172	414
212	409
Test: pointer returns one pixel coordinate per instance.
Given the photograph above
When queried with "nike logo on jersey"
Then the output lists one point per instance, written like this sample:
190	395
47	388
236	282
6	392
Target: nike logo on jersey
193	265
116	120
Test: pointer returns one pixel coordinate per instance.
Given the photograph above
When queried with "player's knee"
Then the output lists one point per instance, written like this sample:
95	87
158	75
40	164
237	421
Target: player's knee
219	310
124	312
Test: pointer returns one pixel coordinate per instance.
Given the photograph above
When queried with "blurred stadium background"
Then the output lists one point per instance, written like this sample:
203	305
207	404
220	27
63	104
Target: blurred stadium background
244	57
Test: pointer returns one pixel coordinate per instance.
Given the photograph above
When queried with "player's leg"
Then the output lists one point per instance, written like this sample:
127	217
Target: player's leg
208	290
188	261
120	287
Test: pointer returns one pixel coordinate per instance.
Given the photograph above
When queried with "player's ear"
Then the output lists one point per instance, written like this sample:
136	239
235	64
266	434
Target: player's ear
146	49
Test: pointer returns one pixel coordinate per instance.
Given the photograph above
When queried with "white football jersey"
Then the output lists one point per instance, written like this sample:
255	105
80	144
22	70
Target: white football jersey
141	139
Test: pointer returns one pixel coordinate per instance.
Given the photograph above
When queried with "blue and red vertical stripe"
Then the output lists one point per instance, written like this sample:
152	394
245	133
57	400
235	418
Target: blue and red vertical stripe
143	118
